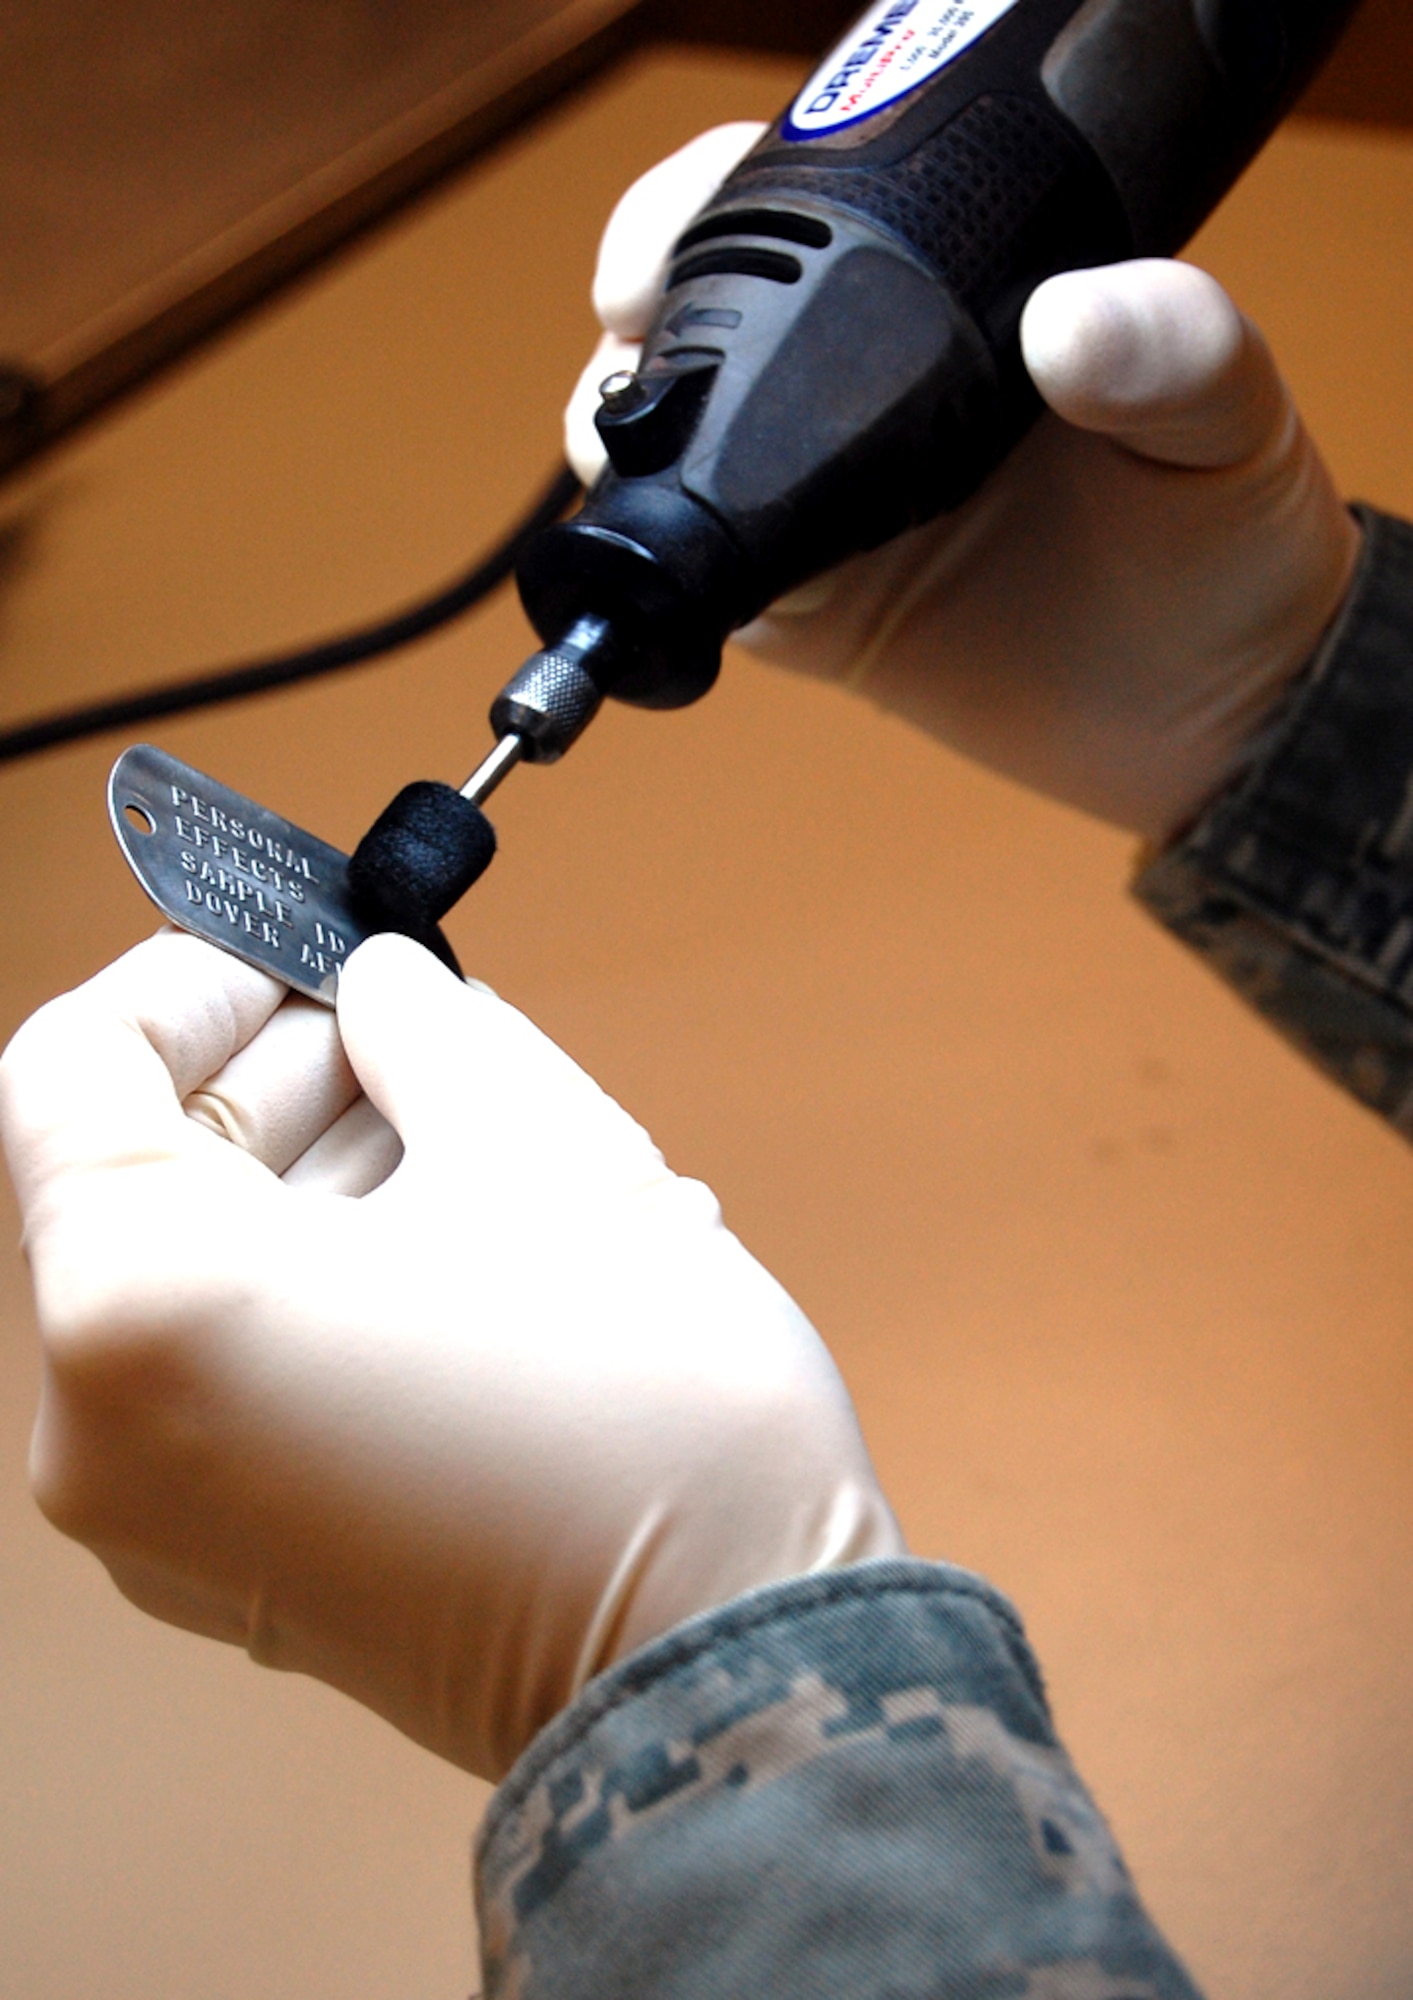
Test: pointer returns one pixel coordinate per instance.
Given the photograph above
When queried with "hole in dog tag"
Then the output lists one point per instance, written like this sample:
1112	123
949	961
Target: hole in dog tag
233	872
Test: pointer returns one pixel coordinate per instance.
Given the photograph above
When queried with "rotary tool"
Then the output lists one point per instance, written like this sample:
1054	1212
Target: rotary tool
835	358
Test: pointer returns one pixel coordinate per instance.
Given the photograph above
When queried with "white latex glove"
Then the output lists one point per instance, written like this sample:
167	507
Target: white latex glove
452	1443
1117	610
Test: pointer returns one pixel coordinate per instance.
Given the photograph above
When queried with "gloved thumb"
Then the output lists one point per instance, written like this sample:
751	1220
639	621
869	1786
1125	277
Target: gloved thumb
1154	355
487	1108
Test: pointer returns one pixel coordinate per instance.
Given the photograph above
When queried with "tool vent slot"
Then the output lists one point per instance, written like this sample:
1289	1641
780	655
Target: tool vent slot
740	259
776	222
1003	194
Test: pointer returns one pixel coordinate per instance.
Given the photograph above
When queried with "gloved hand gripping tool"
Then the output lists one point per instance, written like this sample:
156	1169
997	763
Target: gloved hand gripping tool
835	358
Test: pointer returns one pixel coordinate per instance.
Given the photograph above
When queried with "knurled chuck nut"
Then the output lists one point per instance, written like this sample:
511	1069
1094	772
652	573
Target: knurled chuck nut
548	704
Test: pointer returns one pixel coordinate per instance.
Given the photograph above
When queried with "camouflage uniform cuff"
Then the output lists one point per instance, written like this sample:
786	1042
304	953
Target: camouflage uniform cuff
845	1784
1296	884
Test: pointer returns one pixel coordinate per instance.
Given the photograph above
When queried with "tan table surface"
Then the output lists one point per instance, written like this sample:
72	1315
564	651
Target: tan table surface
1124	1292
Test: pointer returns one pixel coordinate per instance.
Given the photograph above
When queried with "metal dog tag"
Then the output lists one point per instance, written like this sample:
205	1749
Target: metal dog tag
233	872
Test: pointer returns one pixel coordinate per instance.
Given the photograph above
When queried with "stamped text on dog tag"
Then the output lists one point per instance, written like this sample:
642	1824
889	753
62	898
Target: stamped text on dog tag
233	872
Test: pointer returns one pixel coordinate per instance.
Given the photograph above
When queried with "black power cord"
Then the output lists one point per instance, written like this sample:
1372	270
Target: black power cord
369	642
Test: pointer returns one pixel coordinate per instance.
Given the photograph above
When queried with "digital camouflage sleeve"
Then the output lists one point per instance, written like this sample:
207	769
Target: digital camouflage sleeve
848	1787
1296	885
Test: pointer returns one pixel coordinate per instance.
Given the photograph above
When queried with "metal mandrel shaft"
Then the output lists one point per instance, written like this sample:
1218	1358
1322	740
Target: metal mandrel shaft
493	768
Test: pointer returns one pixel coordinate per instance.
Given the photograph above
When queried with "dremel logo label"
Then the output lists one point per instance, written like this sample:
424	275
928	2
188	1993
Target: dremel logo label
895	47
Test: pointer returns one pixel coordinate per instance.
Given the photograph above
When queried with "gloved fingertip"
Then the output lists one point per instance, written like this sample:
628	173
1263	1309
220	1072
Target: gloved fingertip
387	962
623	306
390	981
1104	344
649	218
1154	354
398	1010
583	446
458	1072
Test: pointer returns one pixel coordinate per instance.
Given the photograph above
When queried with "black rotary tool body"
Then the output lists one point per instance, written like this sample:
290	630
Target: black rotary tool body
836	357
836	354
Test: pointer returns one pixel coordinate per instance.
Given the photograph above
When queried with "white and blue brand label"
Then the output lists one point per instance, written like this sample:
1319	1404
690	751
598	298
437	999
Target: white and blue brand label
895	47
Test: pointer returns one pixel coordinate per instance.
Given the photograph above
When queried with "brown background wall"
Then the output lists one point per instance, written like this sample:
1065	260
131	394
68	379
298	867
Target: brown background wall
1123	1291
